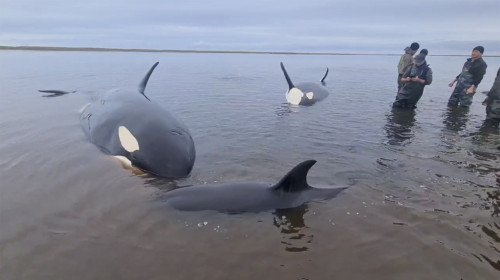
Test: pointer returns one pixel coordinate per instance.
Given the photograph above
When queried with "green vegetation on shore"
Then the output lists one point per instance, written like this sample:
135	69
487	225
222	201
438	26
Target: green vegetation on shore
84	49
38	48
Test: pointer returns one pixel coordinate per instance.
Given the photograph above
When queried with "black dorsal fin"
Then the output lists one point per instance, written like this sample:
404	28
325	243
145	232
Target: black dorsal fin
288	80
296	179
324	77
144	82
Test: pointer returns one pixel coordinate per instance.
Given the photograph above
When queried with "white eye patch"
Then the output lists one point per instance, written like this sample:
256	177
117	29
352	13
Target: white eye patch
294	96
310	95
128	141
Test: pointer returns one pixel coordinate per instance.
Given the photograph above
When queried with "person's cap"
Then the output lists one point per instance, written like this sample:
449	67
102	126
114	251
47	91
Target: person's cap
420	58
424	51
479	49
414	46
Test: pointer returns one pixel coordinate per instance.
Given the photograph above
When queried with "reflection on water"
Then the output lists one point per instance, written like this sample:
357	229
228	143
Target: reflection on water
291	224
399	127
286	109
495	201
455	118
486	144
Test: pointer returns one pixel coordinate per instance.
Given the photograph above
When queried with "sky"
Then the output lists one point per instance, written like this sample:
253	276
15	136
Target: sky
355	26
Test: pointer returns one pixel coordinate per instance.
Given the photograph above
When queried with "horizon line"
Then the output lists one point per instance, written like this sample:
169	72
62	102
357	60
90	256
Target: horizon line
95	49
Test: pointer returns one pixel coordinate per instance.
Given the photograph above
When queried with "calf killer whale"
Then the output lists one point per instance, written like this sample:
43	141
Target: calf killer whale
290	192
305	93
125	123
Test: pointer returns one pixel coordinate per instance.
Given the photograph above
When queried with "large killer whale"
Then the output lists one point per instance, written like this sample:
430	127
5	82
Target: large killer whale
306	93
125	123
290	192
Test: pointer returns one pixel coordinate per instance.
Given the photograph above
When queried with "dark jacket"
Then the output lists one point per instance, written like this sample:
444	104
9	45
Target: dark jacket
411	92
423	72
477	69
494	92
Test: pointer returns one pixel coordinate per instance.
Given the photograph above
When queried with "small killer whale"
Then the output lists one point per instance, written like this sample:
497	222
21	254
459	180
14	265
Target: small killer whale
290	192
125	123
306	93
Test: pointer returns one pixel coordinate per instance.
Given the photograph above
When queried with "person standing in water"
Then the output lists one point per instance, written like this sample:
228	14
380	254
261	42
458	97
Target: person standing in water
405	60
414	79
468	80
492	101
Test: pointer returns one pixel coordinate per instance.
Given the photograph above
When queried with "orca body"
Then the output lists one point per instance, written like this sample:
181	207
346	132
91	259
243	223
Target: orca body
125	123
306	93
290	192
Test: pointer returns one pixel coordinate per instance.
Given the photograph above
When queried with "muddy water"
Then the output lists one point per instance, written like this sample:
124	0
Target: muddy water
424	204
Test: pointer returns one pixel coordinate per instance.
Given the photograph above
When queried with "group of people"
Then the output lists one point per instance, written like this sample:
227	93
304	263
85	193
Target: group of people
414	74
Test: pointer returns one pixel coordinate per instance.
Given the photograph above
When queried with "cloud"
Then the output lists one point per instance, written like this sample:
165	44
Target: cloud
315	25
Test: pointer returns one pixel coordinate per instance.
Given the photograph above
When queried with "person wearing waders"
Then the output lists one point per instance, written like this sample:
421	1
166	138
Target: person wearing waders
492	101
405	60
414	79
467	81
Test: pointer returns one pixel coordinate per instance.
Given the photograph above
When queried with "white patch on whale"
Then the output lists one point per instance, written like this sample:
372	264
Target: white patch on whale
127	139
124	161
127	164
294	96
310	95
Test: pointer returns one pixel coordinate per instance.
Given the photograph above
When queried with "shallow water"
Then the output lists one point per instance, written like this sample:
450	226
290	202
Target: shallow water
424	204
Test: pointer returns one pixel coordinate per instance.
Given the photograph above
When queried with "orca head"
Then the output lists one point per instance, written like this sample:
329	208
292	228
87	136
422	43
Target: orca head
296	96
304	93
163	151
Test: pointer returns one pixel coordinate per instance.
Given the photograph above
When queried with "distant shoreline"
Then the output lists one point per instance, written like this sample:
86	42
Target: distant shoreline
83	49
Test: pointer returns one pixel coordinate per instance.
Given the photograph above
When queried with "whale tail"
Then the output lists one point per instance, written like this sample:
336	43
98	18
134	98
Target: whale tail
324	77
288	80
54	92
144	82
296	179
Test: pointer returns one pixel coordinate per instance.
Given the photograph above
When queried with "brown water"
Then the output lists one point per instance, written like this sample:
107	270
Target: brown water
424	205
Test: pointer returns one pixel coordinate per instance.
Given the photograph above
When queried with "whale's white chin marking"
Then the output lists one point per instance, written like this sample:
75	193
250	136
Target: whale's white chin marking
294	96
124	161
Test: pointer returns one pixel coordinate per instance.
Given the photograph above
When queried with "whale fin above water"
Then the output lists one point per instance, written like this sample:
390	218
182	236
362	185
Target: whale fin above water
144	82
288	80
296	179
324	77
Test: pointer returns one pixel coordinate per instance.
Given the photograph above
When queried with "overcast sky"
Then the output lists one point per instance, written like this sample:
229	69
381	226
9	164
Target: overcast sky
442	26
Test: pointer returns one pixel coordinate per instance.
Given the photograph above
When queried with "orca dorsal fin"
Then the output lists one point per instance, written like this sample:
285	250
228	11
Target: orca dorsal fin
296	179
144	82
324	77
288	80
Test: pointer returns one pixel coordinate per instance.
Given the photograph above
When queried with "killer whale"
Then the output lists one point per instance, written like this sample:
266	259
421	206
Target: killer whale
125	123
306	93
290	192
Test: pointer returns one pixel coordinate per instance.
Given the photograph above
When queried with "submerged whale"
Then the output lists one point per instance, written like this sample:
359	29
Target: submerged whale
306	93
125	123
290	192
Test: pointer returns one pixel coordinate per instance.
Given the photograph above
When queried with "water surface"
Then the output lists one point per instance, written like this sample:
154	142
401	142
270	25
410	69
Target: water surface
424	205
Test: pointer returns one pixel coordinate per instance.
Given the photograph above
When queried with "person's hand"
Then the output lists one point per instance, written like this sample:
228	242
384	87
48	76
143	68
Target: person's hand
471	90
452	83
405	80
418	80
